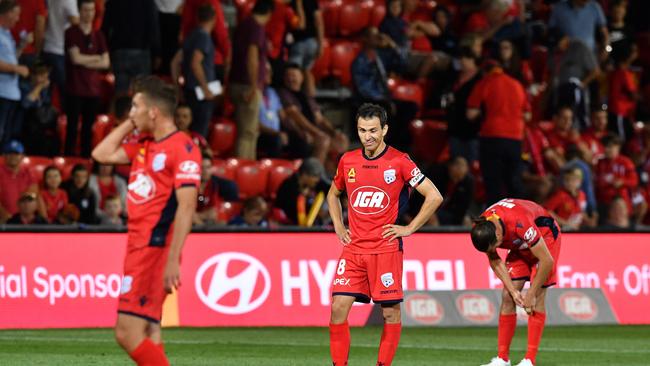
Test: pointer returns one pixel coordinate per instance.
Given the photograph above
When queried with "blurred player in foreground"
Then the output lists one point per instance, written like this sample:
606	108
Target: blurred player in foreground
162	195
378	180
532	238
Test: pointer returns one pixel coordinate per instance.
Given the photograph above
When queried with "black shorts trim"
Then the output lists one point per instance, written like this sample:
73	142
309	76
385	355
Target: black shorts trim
357	296
549	285
147	318
388	302
525	278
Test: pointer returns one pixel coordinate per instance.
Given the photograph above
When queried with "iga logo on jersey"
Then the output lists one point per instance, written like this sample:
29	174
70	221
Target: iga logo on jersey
141	189
369	200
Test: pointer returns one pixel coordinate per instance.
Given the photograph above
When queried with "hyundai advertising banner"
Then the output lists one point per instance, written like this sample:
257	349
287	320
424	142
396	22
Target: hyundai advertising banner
284	279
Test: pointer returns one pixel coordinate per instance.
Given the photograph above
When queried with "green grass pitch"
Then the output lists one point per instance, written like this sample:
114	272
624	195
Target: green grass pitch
565	346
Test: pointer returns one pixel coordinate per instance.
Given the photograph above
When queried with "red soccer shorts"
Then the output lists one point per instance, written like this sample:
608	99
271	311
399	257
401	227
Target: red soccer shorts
370	276
522	265
143	292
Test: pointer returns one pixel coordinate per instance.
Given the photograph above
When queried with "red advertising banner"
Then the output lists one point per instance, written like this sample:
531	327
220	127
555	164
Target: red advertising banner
269	279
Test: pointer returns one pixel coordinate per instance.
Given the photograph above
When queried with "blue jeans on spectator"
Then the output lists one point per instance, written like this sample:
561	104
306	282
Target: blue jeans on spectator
201	113
57	74
304	53
8	109
128	64
467	148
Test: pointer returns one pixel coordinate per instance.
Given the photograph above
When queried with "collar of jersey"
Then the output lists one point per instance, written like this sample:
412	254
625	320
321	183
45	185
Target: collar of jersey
165	137
363	152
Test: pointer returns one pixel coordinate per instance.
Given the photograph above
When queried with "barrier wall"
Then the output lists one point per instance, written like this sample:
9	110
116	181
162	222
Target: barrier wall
268	279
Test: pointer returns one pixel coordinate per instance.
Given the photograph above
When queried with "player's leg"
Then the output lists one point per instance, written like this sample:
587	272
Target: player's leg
154	332
385	277
340	330
131	335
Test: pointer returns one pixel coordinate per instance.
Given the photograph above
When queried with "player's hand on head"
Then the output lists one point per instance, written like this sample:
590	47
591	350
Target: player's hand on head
172	277
395	231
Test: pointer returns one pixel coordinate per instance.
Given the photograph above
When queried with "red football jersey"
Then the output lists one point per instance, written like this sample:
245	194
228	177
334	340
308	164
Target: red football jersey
566	205
377	188
521	228
158	168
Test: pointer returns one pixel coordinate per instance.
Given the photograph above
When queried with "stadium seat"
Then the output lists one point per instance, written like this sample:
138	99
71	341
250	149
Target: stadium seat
407	91
244	8
269	164
321	68
377	13
277	175
251	180
221	169
223	137
227	210
36	165
353	17
343	54
429	140
330	10
101	128
65	164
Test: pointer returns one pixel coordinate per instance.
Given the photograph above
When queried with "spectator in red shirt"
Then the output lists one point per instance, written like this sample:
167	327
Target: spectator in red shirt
623	91
14	180
222	46
33	15
86	54
615	174
564	134
104	182
54	199
568	204
505	106
27	211
593	135
212	191
284	18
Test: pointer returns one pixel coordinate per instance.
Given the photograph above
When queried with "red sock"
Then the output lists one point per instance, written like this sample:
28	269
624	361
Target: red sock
535	330
388	344
149	354
340	343
507	326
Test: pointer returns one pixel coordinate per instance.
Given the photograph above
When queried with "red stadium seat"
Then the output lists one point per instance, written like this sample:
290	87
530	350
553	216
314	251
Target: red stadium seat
251	180
429	139
353	17
36	165
272	163
227	210
277	175
101	128
65	164
377	13
408	91
220	168
343	54
330	10
321	68
223	137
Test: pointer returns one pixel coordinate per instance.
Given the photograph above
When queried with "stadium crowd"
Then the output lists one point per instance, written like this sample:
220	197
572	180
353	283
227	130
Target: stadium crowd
535	99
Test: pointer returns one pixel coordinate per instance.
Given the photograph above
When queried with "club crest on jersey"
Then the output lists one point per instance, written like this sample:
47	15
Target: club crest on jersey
158	163
389	176
352	175
127	282
387	279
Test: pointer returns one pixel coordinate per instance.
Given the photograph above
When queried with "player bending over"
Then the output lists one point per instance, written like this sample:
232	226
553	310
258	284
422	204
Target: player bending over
377	179
162	196
532	239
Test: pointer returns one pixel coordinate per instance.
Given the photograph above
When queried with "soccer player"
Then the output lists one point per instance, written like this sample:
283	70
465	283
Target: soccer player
377	179
162	195
532	239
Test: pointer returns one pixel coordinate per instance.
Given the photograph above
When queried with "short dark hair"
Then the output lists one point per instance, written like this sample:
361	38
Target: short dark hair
79	167
48	169
483	234
369	110
81	2
289	66
263	7
7	6
468	52
39	67
312	167
122	106
611	139
159	92
205	13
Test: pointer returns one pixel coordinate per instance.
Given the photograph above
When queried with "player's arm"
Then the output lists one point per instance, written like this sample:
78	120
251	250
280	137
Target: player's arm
432	200
500	270
109	150
544	267
186	196
336	213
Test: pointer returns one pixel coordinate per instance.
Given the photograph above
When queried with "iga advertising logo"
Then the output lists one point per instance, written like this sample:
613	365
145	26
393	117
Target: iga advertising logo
369	200
233	283
578	306
424	308
475	307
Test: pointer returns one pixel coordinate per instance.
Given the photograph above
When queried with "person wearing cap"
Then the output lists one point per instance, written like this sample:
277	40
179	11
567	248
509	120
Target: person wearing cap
502	103
27	211
304	184
14	180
